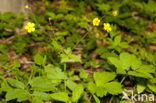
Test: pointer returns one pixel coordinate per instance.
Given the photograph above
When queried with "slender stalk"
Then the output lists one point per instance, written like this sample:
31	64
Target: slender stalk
80	40
122	79
65	77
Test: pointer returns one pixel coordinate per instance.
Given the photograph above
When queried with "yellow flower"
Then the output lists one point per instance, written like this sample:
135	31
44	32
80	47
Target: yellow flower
107	27
96	21
115	13
50	19
26	6
30	27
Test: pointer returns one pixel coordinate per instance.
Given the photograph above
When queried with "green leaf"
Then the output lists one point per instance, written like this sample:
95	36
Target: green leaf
68	51
70	84
91	87
38	59
77	92
113	88
152	87
20	94
60	96
126	60
64	58
117	40
103	7
141	87
100	92
146	69
126	102
62	33
16	83
42	84
83	74
25	95
56	45
117	63
96	99
153	80
41	95
75	58
55	74
51	15
5	87
137	74
136	63
103	77
37	100
16	64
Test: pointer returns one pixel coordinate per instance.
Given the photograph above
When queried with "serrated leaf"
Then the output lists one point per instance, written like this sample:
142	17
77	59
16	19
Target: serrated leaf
136	63
103	7
62	33
64	58
20	94
117	40
100	92
55	74
83	74
152	87
103	77
146	69
137	74
77	92
25	95
75	58
126	102
42	84
41	95
113	88
70	84
117	63
16	83
38	59
60	96
91	87
153	80
37	100
68	51
126	60
56	45
140	87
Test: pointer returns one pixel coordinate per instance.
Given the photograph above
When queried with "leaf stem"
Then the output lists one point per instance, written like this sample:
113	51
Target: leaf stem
80	40
65	76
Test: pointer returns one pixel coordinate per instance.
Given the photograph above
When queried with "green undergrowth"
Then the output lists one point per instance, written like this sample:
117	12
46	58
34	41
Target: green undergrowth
70	60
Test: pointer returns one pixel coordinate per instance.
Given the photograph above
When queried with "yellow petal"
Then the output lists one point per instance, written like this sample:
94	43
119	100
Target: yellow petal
26	27
26	6
29	31
32	24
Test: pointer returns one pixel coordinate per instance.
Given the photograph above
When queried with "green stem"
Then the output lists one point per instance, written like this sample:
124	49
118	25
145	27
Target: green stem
111	99
65	77
122	79
80	40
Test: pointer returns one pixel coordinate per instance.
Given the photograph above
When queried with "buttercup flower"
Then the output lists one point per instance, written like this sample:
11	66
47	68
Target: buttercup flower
49	19
107	27
30	27
26	6
96	21
115	13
